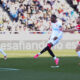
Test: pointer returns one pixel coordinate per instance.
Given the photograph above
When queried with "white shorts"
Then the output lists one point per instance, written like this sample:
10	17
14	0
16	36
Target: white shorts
54	42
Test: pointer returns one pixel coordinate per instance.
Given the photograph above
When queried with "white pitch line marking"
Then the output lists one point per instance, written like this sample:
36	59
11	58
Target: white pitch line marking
8	69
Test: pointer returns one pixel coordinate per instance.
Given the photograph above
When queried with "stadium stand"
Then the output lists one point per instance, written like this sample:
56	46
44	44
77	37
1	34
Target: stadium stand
75	4
34	15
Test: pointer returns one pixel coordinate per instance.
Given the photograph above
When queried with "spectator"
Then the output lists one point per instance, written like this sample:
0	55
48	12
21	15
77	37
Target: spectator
34	15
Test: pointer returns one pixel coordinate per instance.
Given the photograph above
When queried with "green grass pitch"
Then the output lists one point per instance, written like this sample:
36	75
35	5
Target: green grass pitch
39	69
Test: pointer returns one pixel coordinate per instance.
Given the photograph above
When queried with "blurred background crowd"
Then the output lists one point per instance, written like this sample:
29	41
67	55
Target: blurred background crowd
34	15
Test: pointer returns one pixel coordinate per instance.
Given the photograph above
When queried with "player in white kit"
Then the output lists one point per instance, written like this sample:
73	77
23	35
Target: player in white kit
54	39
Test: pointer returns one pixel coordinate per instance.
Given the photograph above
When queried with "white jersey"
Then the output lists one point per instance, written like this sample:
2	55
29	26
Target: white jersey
56	28
56	32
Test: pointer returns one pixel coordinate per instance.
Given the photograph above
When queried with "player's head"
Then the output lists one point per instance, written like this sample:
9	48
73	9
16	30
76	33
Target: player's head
78	20
53	18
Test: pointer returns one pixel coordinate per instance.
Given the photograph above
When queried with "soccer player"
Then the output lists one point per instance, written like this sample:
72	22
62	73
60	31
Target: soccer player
54	39
5	55
76	28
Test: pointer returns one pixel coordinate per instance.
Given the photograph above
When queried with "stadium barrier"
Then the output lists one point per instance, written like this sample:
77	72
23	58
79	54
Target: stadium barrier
35	41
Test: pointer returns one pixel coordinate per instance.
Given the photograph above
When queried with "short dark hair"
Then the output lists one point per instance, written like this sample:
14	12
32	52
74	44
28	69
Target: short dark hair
53	15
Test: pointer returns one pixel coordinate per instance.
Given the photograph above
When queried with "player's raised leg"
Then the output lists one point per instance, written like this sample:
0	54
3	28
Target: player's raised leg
45	49
5	55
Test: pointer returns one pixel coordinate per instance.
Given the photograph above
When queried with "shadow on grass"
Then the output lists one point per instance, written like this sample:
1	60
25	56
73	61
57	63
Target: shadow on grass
41	63
39	69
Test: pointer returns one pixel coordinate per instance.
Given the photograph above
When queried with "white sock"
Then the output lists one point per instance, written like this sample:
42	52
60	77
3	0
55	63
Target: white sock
2	52
54	57
78	52
39	53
